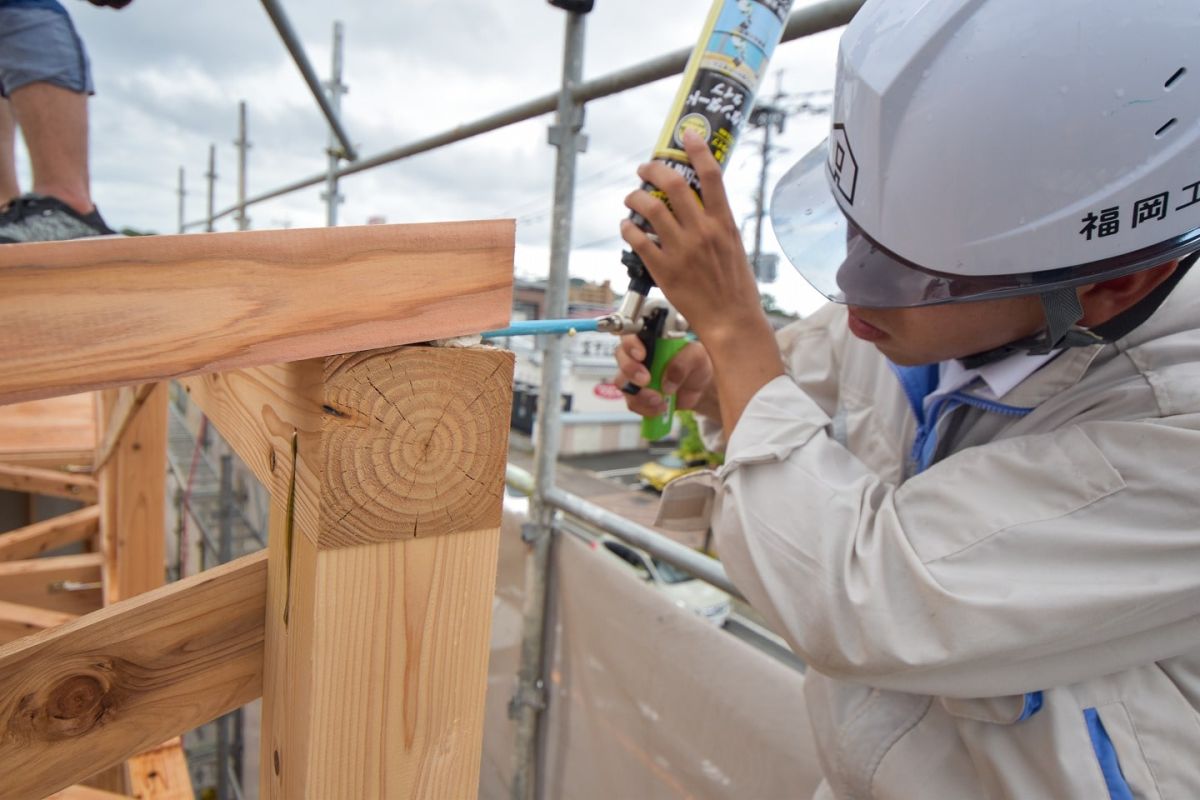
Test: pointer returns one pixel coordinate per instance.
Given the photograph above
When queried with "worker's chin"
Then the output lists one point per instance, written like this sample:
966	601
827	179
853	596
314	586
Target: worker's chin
896	353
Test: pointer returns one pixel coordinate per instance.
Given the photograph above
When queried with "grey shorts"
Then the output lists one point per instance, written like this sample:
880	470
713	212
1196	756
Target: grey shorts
41	45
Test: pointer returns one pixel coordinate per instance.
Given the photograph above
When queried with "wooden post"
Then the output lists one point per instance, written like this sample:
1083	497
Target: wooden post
132	467
133	494
386	470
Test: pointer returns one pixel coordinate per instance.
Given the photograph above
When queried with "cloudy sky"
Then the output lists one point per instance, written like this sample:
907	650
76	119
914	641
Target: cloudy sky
169	75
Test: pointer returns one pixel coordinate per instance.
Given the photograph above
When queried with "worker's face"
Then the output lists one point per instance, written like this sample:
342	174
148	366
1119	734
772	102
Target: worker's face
926	334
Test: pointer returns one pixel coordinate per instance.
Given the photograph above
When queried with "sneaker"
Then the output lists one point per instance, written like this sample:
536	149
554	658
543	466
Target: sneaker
39	218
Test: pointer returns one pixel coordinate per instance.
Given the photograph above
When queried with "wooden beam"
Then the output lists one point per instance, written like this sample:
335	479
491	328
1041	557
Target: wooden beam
91	313
39	582
50	534
17	620
129	402
161	773
133	497
126	678
51	482
87	793
381	590
50	433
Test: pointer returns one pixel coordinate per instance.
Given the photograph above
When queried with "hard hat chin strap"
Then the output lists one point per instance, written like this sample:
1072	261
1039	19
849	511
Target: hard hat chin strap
1063	310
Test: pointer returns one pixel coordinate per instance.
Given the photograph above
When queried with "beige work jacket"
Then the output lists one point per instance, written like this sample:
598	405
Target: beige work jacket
1019	620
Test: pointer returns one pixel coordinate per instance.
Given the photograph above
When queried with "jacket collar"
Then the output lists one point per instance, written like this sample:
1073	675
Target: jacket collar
1066	370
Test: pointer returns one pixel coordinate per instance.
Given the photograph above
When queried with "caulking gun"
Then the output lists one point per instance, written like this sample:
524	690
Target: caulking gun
714	101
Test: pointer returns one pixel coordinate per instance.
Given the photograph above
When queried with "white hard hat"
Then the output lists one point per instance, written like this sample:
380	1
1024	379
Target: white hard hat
991	149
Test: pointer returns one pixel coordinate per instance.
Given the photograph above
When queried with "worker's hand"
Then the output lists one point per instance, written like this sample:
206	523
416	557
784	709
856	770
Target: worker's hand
110	3
688	376
699	261
701	267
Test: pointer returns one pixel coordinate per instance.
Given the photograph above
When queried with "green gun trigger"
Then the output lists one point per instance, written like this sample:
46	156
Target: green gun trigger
655	428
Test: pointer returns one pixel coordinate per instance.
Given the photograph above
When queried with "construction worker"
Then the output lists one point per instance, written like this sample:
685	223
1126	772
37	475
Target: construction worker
45	82
968	491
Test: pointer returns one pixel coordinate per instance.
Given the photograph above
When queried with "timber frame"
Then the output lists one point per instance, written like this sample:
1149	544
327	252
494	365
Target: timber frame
364	625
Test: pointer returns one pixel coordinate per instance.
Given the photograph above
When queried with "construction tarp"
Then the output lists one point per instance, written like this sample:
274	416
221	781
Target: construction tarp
646	699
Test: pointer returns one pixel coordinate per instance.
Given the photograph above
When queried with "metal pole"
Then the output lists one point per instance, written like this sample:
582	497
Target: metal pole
181	196
224	555
806	21
530	700
211	175
243	145
336	89
292	42
654	543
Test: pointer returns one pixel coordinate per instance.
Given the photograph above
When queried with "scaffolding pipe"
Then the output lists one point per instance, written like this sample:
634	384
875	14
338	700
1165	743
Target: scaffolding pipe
293	45
243	145
211	175
224	555
182	194
530	699
806	21
685	558
336	89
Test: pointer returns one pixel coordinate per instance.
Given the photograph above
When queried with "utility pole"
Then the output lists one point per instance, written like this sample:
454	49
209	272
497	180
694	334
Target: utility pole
768	116
336	152
211	175
182	193
243	146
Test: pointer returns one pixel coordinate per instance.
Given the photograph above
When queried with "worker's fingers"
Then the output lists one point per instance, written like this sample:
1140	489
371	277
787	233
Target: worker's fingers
647	402
690	370
712	185
683	200
629	361
656	212
643	245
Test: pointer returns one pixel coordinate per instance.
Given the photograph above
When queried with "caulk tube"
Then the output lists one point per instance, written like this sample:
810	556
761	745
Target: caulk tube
714	101
715	97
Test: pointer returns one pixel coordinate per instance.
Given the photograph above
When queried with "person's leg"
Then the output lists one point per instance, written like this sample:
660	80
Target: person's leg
54	123
44	72
8	157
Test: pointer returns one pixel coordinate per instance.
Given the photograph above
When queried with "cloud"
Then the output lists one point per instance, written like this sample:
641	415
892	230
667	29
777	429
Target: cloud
169	77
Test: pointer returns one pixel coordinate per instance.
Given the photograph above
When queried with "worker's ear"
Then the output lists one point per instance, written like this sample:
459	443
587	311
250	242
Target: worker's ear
1105	300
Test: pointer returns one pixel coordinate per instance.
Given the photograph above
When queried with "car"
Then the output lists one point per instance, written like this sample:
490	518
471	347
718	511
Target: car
657	474
684	590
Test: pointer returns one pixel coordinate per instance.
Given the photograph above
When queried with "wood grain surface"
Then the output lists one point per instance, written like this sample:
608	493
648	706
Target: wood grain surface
380	594
52	482
97	690
50	534
53	432
91	313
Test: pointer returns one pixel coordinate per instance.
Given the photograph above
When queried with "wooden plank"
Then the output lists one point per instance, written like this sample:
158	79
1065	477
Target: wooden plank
87	793
380	605
54	432
36	582
50	534
91	313
258	412
131	467
432	400
129	402
51	482
133	500
17	620
126	678
161	773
